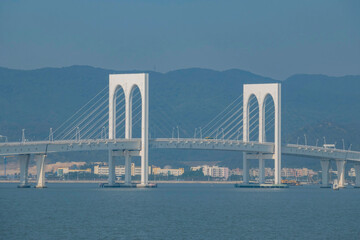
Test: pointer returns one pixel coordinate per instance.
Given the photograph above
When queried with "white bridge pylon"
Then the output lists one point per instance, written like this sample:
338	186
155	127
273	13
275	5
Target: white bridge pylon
128	83
261	92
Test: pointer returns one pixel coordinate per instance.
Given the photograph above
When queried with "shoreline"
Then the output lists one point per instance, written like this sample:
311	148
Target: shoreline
156	182
101	181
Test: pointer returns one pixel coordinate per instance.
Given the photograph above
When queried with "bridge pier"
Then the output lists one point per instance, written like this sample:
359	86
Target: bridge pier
40	170
340	165
357	173
127	168
24	166
261	169
325	173
245	169
111	179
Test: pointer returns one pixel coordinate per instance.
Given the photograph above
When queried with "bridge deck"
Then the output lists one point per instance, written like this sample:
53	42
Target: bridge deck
41	147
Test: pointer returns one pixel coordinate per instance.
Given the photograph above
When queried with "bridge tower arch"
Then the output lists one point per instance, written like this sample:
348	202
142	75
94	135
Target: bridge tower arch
261	91
128	82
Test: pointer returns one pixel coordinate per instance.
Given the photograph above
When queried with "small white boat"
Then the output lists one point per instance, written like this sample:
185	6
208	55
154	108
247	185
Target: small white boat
335	185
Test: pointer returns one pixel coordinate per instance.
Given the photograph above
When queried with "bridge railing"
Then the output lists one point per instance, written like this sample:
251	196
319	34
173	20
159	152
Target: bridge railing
319	148
82	141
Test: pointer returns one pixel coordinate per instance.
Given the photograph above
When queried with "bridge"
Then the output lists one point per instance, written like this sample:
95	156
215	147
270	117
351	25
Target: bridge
100	130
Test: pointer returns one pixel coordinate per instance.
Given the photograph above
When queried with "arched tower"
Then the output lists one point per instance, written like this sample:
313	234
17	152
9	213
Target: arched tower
128	82
261	91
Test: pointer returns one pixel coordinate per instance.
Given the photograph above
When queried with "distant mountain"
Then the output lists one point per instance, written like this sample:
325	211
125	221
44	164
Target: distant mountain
44	98
315	105
319	105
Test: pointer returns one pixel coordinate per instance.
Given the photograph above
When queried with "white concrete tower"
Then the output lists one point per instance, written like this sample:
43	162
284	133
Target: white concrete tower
128	82
261	91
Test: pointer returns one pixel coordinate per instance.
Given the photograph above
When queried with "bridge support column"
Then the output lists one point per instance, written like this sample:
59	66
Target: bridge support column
145	134
277	153
144	171
127	168
111	180
261	170
40	170
325	173
261	139
245	169
357	173
340	165
24	166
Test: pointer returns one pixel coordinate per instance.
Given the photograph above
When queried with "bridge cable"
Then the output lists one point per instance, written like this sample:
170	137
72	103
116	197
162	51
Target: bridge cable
80	109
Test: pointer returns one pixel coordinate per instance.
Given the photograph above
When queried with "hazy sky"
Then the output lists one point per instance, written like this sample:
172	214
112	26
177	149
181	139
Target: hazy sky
272	38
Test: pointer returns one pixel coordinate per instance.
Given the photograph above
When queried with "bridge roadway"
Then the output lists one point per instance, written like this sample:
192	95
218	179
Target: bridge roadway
45	147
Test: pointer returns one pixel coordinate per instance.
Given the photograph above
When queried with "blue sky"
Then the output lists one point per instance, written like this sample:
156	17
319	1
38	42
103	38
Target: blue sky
272	38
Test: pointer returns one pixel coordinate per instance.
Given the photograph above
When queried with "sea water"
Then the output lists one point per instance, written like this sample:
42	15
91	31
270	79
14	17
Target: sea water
178	211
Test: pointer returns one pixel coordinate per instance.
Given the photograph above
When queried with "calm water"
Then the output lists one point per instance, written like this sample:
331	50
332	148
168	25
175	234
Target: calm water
178	211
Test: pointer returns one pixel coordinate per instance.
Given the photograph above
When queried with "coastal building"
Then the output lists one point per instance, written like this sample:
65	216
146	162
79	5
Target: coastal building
213	171
62	171
285	172
167	171
351	172
269	172
236	172
224	172
196	168
297	172
220	172
119	170
254	172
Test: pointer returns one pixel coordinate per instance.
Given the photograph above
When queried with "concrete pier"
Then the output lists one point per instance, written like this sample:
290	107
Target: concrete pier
24	166
40	169
245	168
111	179
261	170
325	173
127	168
340	165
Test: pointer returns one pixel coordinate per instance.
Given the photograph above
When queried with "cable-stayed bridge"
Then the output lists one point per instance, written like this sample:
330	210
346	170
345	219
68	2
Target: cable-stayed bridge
117	120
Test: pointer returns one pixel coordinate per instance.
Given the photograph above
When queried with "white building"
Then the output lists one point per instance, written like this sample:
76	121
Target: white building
220	172
167	171
351	173
213	171
119	170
